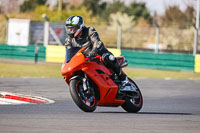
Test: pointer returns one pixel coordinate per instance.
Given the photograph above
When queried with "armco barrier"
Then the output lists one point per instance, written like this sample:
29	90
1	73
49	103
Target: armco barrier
168	61
143	59
22	52
197	63
57	53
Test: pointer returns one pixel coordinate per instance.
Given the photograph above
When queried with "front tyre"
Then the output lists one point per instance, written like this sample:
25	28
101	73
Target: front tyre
134	104
82	98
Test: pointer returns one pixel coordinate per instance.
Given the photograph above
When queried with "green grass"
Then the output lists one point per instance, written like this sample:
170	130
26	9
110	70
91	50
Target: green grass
53	71
29	70
153	73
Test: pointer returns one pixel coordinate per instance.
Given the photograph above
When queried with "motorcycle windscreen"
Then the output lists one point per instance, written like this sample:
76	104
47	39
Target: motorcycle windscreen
70	53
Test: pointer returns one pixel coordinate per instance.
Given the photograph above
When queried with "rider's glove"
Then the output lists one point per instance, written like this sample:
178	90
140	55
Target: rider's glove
92	53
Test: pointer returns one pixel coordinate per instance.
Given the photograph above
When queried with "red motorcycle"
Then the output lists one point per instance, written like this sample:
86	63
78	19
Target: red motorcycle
92	84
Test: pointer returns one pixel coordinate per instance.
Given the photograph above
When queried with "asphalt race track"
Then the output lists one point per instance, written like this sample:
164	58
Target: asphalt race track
170	106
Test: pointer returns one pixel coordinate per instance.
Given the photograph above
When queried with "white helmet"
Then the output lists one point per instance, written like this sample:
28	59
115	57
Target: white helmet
74	25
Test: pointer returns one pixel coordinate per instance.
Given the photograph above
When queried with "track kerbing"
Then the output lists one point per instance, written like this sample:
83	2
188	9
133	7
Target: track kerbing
14	98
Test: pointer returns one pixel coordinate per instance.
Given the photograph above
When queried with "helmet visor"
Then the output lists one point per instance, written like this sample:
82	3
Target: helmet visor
71	29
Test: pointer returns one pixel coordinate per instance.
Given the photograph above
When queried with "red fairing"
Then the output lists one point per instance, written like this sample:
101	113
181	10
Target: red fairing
107	88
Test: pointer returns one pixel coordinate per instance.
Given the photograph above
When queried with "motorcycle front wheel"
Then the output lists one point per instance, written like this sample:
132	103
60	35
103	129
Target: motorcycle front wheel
82	98
134	104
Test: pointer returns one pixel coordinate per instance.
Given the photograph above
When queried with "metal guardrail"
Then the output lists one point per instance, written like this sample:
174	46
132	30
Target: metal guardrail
197	63
167	61
23	52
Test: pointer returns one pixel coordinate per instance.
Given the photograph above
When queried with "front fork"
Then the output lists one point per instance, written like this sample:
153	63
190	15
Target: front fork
86	85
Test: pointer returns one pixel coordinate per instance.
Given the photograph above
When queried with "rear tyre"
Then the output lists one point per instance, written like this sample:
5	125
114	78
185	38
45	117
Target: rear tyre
133	105
82	98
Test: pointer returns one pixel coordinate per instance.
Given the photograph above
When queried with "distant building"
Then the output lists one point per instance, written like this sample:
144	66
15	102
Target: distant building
10	5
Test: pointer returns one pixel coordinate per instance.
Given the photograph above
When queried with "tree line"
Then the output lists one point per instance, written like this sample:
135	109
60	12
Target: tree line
101	12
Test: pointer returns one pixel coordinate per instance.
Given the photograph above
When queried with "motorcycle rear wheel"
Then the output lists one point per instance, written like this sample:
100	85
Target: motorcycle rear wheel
133	105
86	102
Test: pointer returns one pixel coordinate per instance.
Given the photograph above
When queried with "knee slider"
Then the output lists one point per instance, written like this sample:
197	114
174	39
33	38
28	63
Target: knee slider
111	58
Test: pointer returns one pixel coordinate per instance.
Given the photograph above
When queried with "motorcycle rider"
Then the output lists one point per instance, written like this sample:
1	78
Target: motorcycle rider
78	35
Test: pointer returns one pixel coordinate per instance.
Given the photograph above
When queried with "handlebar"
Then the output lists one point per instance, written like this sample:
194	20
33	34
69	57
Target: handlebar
96	57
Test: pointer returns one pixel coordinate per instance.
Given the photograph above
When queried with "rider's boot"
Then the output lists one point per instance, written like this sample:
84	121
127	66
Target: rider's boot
111	62
126	86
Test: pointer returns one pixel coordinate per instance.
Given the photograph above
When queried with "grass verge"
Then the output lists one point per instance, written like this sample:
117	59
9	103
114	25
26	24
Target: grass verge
53	71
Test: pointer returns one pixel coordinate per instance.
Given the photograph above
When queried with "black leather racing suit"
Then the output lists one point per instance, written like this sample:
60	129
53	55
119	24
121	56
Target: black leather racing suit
89	39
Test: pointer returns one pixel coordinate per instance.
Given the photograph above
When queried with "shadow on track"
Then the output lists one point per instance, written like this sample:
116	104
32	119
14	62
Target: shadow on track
164	113
149	113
